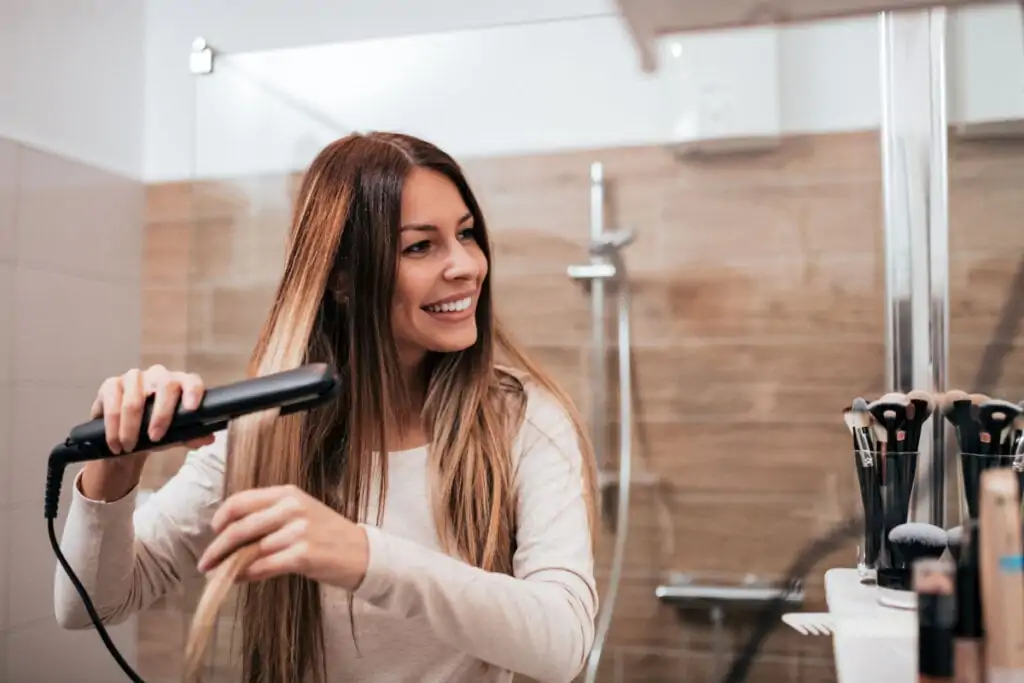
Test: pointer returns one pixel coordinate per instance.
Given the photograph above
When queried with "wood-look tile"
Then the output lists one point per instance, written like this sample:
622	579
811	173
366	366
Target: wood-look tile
218	368
754	401
745	534
640	619
985	158
238	314
796	222
171	358
169	202
992	367
214	251
772	458
543	310
200	314
526	250
565	365
820	298
659	664
226	198
240	248
262	247
984	303
846	156
166	253
689	366
546	230
651	538
650	665
984	214
164	317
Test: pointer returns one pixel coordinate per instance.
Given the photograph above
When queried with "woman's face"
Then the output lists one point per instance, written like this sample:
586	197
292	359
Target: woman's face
441	269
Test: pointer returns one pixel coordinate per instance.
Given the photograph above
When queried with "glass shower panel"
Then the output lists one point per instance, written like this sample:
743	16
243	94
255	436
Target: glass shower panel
986	174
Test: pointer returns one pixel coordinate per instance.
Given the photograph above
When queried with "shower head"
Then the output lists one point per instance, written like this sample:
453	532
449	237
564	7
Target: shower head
610	243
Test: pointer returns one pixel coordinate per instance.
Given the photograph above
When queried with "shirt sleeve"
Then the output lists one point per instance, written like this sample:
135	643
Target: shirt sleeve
538	622
127	558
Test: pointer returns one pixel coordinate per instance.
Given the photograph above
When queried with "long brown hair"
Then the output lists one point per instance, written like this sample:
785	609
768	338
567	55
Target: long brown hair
333	305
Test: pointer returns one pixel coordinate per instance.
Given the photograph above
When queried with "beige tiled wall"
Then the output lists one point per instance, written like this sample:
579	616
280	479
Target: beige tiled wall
758	314
70	258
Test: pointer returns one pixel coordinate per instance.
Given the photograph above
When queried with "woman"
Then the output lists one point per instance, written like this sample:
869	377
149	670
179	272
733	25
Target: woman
466	553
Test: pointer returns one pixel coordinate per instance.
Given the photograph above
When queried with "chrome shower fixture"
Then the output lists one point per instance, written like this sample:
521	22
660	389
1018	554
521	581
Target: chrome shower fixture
611	243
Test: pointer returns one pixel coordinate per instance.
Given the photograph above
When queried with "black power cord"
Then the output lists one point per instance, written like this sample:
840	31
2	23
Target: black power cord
62	456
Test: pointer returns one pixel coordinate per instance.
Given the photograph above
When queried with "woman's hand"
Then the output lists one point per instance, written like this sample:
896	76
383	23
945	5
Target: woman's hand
121	401
295	534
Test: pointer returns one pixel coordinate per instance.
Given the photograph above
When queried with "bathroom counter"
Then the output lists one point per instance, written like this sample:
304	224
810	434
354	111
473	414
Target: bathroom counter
871	642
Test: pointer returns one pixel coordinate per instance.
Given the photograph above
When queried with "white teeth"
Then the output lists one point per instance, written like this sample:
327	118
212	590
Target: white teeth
451	306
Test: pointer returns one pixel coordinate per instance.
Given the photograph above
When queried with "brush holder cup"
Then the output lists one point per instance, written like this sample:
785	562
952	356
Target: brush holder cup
885	482
970	469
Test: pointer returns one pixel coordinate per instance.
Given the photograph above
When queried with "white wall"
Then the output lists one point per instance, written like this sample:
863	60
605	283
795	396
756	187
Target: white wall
71	79
476	84
71	116
507	78
171	25
509	90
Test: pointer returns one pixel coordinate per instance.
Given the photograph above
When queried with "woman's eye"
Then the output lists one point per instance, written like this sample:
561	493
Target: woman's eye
418	248
468	234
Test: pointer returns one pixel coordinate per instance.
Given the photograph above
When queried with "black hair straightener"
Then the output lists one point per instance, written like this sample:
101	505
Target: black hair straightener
292	391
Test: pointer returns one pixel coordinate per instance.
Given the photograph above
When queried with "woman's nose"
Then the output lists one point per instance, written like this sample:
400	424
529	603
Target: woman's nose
462	265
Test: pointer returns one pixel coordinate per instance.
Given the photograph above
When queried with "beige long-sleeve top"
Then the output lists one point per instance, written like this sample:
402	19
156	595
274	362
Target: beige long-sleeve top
421	615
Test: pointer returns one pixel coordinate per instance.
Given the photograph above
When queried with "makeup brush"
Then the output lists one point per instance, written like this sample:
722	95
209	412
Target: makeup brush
935	584
894	397
859	422
922	405
961	412
996	418
956	408
910	542
917	540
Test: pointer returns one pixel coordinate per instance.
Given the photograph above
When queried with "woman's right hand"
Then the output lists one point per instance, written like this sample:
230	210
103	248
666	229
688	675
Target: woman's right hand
122	399
120	402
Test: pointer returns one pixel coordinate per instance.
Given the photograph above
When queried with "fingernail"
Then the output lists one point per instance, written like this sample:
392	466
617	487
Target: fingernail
190	401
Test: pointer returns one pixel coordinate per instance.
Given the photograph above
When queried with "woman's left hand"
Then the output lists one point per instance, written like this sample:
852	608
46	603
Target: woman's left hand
295	534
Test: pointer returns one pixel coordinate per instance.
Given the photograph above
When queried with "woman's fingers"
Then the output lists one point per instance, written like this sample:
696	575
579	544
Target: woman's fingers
288	560
246	529
166	392
133	401
192	390
110	396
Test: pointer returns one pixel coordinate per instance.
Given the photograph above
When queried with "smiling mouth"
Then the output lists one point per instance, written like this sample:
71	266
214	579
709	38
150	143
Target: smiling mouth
451	306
